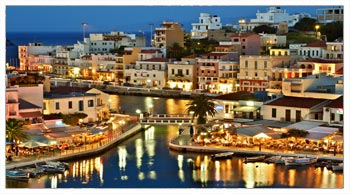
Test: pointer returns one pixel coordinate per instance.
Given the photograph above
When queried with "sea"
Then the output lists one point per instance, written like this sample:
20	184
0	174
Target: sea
46	38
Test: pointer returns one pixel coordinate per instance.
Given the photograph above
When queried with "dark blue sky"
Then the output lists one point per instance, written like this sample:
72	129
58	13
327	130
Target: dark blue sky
123	18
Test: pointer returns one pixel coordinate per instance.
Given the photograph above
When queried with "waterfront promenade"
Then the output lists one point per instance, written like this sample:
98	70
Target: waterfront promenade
181	143
184	143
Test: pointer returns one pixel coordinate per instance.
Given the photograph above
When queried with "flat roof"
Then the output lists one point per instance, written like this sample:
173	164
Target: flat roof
67	95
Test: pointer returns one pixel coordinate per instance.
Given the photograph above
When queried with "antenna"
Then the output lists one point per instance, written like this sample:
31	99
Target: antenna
84	24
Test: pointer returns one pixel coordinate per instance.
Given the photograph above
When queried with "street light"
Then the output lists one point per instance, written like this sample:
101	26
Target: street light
316	28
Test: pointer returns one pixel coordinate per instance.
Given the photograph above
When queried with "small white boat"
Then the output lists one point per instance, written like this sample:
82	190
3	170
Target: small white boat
272	159
300	161
223	155
338	167
254	159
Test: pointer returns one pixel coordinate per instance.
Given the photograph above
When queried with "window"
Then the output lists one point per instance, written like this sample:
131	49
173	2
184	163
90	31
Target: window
187	72
265	64
274	113
44	106
255	64
81	105
246	73
90	103
57	106
172	71
256	74
332	117
154	75
70	104
246	64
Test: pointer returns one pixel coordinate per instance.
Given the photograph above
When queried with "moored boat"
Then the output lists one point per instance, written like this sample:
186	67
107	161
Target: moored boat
223	155
17	175
58	164
272	159
338	167
50	168
254	159
300	161
283	158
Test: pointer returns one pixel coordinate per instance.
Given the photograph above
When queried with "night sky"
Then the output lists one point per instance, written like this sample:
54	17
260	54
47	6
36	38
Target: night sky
124	18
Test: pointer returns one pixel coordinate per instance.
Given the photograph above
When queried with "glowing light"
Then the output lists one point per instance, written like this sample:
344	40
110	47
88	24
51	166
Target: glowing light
250	103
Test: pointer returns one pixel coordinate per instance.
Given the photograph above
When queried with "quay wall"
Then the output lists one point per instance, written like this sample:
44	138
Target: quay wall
243	153
132	131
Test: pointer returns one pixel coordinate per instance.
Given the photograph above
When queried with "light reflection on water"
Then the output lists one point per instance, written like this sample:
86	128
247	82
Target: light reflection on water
144	161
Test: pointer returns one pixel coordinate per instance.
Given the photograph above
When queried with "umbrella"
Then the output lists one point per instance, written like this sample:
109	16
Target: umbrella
32	144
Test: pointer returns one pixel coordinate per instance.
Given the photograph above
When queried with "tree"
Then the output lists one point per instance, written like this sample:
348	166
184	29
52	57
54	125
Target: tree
295	133
264	29
175	51
305	24
15	131
73	119
201	106
333	31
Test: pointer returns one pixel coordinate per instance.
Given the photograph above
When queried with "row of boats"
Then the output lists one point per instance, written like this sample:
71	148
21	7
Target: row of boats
286	160
47	167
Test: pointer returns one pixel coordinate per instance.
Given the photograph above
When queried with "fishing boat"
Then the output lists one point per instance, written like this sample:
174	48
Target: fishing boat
58	164
50	168
300	161
17	175
223	155
254	159
272	159
338	167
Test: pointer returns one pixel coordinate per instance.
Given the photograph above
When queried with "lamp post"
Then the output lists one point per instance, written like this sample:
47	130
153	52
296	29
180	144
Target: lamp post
316	29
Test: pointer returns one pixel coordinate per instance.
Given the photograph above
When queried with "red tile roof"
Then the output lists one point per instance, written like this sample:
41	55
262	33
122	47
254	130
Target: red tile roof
31	114
64	89
189	57
337	103
297	102
316	44
157	60
241	95
151	51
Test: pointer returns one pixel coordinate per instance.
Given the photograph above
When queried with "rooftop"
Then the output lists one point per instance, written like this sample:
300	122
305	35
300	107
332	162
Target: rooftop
241	95
66	95
297	102
337	103
26	105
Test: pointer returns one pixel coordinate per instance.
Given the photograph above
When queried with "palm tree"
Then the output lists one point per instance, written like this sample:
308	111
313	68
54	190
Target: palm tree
15	131
201	106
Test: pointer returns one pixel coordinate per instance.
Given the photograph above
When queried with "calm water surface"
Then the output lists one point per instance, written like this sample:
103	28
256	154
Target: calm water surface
144	161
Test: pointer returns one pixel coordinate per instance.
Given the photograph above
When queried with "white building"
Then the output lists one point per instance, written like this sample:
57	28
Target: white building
70	103
148	73
181	75
334	112
206	22
314	86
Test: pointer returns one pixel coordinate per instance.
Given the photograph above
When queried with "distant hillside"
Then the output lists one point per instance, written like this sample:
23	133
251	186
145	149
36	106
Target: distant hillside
9	43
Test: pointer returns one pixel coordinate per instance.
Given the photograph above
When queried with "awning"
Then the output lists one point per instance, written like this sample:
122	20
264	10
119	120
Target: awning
246	109
31	114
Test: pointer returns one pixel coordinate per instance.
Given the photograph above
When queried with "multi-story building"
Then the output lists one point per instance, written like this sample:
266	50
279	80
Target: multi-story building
206	22
249	43
37	57
168	34
211	66
24	102
314	86
148	73
181	75
60	65
255	71
323	50
328	15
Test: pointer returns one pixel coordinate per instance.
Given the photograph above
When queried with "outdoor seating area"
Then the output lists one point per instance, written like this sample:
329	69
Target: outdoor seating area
260	137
